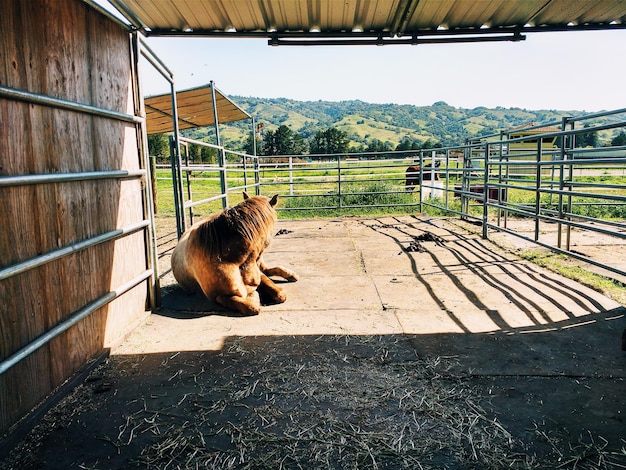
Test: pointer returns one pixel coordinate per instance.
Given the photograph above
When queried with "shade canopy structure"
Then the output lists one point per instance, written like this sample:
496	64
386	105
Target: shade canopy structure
315	22
195	108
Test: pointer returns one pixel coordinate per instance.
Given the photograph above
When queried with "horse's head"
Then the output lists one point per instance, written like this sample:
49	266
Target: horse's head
258	211
240	229
273	200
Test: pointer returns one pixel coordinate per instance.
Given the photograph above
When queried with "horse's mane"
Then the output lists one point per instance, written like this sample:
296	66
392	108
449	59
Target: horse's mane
231	233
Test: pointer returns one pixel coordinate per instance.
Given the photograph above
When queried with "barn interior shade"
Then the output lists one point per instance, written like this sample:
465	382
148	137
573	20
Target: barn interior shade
384	19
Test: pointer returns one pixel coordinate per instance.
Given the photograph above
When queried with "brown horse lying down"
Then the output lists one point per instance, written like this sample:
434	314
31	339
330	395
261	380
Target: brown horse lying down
221	256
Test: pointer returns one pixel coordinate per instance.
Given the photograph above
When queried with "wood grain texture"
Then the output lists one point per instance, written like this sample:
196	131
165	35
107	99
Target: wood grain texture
83	57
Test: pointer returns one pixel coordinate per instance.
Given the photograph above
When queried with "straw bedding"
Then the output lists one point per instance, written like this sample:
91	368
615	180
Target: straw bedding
341	402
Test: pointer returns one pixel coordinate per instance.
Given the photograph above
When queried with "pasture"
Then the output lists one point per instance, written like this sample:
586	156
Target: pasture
377	187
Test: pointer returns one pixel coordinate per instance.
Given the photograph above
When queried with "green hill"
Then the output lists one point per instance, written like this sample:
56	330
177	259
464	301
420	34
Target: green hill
365	122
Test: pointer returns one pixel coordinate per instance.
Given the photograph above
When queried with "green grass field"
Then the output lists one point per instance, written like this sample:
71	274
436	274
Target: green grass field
315	193
374	188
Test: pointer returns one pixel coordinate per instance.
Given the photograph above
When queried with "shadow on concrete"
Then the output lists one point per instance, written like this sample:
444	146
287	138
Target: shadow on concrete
459	356
340	401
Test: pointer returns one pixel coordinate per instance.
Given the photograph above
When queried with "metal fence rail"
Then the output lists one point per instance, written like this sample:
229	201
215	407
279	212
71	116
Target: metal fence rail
577	189
535	173
234	172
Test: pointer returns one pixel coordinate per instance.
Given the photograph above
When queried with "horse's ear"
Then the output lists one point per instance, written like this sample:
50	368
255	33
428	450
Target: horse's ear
245	195
274	200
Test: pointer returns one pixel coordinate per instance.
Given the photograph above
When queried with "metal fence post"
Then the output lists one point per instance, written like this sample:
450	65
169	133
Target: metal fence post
421	174
290	175
569	177
150	193
185	145
339	202
538	189
221	157
486	191
447	171
256	134
465	179
564	144
178	204
507	175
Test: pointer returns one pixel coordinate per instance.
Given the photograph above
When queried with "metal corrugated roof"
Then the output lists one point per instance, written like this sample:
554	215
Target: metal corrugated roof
195	109
382	20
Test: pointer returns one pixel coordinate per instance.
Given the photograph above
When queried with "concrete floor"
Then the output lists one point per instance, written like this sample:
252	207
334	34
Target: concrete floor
547	349
362	277
543	352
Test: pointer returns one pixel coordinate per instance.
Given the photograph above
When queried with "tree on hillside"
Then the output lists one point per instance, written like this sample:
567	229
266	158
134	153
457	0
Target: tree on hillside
199	153
376	145
193	151
588	139
409	144
248	146
308	130
431	144
159	146
283	141
331	140
208	154
300	145
619	139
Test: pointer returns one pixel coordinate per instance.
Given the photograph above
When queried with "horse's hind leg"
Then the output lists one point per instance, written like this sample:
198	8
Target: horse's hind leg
285	273
226	287
269	292
250	305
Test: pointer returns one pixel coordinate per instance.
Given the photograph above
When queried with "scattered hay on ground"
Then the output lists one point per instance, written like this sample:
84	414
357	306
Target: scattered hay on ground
341	402
328	410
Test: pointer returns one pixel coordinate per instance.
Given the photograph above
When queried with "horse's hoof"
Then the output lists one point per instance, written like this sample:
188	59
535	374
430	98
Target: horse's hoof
273	298
252	311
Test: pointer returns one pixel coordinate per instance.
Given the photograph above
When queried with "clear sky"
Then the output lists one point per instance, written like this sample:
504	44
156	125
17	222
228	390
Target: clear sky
584	71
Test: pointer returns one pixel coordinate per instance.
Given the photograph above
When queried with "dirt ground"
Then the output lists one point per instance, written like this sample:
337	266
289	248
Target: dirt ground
407	342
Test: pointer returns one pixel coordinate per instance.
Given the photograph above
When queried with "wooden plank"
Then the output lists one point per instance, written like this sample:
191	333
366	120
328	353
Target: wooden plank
21	389
83	57
20	430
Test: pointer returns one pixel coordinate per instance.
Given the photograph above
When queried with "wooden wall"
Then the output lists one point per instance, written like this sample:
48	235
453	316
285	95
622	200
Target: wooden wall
64	49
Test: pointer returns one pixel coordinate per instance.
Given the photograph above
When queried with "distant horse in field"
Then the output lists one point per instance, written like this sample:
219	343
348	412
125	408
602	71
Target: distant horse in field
413	175
222	257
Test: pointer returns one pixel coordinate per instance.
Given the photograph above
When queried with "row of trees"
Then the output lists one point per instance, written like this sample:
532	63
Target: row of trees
284	141
591	139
